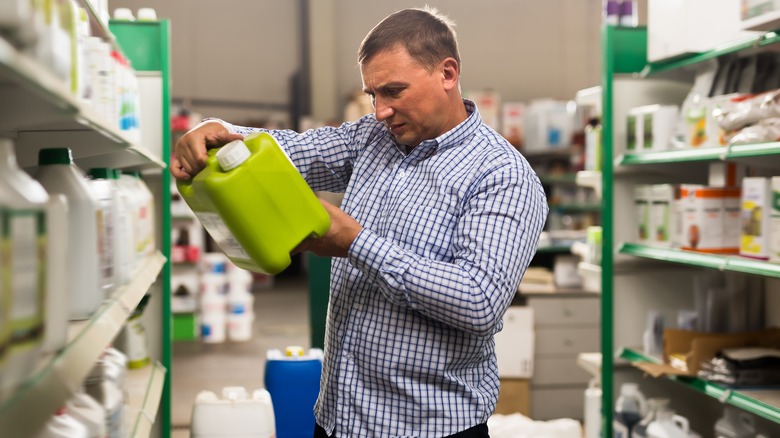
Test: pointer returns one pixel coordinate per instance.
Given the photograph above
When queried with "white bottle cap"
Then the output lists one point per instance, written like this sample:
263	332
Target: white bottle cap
232	155
123	14
147	14
234	393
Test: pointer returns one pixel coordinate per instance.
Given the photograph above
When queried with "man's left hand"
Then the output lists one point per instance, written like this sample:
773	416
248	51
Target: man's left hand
336	242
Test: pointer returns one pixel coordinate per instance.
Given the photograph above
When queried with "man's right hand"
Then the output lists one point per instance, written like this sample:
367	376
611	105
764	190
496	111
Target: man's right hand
189	153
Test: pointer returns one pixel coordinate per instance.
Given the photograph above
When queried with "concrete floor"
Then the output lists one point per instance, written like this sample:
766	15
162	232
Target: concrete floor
281	319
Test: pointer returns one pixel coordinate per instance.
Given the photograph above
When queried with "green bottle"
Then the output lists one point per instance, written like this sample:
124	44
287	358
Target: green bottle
254	203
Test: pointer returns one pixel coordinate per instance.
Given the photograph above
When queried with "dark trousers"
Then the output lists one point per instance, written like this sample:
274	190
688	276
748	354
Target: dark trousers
478	431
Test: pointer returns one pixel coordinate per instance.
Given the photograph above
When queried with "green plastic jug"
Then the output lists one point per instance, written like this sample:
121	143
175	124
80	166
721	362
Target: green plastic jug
254	203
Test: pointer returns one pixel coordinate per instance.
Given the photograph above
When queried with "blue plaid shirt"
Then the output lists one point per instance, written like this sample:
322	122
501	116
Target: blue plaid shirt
449	230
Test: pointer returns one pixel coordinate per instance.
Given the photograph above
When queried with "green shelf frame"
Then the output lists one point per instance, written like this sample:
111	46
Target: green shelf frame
712	261
736	152
757	41
748	400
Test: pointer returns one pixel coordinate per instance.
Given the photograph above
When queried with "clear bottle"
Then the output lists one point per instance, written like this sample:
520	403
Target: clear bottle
57	173
630	407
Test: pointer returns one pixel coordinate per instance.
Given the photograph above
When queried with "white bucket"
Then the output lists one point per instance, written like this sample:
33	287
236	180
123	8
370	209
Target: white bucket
235	415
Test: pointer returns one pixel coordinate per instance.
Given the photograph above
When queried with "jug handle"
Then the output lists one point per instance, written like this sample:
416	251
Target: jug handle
682	422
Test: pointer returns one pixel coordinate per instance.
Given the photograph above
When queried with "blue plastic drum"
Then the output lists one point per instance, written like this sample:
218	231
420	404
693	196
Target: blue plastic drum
293	380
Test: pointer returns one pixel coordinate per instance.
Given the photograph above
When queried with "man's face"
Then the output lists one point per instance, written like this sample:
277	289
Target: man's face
408	98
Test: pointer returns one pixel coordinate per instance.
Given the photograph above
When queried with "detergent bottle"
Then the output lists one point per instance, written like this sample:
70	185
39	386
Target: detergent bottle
255	204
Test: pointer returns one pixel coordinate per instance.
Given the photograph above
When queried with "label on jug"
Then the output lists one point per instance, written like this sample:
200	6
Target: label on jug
25	232
222	235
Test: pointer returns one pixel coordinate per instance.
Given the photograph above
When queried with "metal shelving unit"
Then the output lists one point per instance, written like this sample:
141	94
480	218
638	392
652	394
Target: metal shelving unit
39	111
624	54
58	376
764	403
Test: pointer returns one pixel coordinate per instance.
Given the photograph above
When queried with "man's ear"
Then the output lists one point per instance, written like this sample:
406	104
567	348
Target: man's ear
450	73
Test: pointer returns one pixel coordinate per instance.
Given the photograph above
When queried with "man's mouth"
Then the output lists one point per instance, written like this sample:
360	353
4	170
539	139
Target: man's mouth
395	127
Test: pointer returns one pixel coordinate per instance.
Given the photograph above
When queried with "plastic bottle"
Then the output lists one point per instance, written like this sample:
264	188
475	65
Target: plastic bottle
55	335
132	338
103	190
124	254
257	235
240	303
109	394
23	204
234	415
58	175
87	411
654	405
131	220
293	380
592	415
668	425
146	225
63	425
735	423
213	307
630	407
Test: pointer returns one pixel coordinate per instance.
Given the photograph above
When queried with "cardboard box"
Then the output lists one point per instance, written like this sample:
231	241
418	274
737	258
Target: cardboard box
698	347
515	343
514	396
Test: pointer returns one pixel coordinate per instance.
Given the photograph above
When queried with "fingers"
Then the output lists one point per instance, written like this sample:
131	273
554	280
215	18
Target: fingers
190	150
178	171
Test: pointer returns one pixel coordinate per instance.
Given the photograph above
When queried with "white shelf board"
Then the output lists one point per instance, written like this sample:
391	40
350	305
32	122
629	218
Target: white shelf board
143	388
39	111
58	376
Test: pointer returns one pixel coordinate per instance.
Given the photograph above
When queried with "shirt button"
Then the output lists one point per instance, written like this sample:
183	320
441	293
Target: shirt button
402	173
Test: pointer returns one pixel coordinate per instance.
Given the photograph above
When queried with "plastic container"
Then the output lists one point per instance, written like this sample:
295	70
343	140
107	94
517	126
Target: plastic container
108	392
144	215
55	335
23	204
630	408
235	415
58	175
132	339
240	305
668	425
87	411
254	203
592	414
63	425
735	423
293	380
654	405
103	190
213	309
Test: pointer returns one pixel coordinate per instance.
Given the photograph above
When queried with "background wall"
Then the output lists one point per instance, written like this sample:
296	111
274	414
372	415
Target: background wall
243	52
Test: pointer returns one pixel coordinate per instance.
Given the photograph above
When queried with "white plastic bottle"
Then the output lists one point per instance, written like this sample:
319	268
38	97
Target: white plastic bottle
630	407
234	415
654	406
592	417
213	302
131	219
735	423
103	190
109	394
63	425
668	425
132	340
23	205
240	303
87	411
57	173
146	214
124	254
55	335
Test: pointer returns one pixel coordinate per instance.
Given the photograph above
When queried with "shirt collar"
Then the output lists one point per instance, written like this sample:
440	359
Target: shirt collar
455	136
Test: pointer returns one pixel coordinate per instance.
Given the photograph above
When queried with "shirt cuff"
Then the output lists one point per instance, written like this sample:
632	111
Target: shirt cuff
378	259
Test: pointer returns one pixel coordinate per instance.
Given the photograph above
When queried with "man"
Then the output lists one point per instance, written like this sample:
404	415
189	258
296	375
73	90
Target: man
439	221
